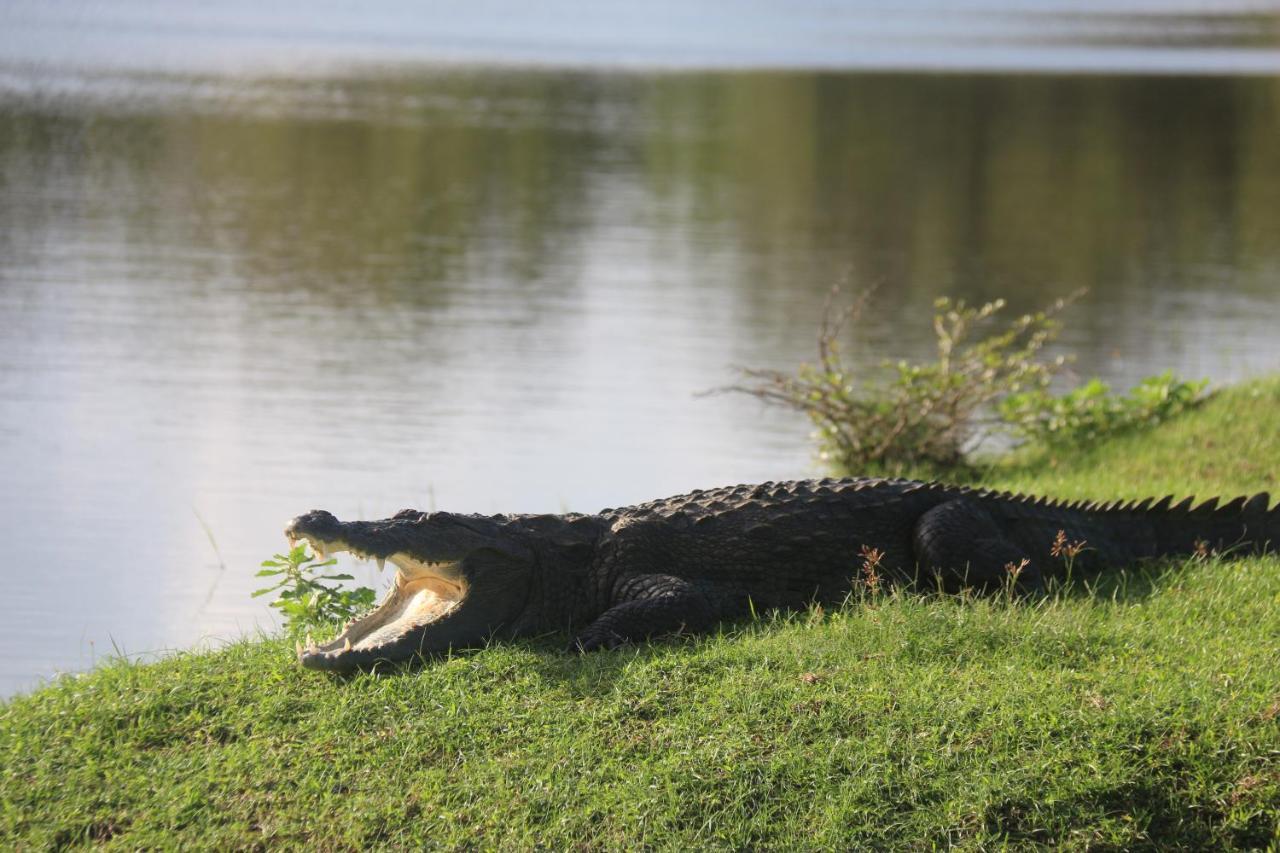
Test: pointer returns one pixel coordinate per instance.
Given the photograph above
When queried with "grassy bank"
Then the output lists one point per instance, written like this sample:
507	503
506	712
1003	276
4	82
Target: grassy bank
1145	713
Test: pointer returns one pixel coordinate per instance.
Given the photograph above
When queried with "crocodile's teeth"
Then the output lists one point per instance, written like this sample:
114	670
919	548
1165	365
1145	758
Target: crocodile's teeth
346	644
311	644
382	563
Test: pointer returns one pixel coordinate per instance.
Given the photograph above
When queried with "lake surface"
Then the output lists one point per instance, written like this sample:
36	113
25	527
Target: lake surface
368	271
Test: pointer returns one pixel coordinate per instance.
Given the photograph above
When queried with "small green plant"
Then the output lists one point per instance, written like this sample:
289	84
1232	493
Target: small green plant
304	600
1090	413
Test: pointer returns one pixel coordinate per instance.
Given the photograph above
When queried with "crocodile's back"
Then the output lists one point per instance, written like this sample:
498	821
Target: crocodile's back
787	543
782	544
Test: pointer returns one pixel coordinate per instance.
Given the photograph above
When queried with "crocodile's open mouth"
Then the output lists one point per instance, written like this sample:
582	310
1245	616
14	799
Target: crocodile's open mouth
423	592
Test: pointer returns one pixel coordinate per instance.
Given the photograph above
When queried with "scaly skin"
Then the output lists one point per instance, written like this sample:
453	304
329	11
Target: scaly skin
686	562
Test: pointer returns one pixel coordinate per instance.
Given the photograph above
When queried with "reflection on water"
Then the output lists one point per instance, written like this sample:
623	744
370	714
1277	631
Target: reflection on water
224	305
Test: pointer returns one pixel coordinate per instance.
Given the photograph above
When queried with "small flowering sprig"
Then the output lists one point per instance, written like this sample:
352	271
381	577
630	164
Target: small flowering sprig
1013	571
1067	551
871	558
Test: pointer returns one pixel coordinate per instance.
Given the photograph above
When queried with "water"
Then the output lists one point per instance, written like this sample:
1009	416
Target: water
239	282
293	38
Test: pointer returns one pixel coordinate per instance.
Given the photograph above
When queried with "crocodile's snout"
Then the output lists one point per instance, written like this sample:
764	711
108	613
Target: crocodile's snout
317	523
441	560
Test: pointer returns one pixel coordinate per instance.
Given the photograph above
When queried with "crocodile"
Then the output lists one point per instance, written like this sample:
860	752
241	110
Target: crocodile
685	563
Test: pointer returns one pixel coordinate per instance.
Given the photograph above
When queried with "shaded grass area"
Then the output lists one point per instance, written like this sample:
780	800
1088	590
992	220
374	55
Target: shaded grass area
1145	712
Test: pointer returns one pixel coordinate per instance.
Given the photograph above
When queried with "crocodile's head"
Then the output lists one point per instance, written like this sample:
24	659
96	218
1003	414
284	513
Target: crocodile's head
459	579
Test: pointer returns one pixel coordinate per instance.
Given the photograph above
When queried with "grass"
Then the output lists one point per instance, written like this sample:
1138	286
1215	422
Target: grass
1145	713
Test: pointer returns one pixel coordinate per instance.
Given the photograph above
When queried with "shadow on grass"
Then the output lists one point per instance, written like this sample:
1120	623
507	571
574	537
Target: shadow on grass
1154	805
596	672
1135	584
584	674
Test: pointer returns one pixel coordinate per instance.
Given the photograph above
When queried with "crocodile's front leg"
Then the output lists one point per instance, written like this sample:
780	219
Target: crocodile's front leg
647	606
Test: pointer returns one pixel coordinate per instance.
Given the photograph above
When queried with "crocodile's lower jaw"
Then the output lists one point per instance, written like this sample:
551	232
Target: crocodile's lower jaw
422	593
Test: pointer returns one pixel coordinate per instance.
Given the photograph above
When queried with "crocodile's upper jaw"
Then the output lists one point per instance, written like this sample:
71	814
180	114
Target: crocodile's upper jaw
423	592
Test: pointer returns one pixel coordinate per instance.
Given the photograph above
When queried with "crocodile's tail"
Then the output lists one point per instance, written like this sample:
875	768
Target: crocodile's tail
1118	532
1243	525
